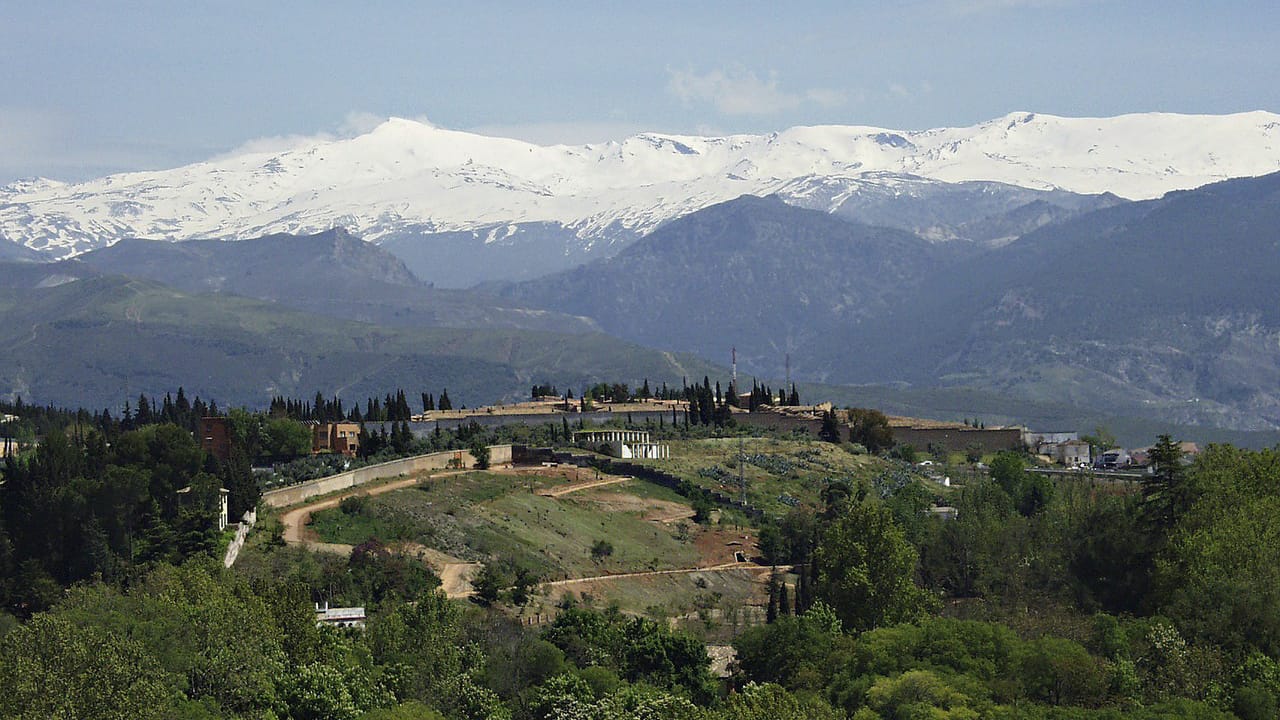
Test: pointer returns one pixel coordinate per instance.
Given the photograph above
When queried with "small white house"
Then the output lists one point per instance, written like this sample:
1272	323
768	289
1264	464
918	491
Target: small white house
1071	453
339	617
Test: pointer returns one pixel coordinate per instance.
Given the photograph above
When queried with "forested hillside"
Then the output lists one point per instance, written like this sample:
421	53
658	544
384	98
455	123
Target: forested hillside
1039	598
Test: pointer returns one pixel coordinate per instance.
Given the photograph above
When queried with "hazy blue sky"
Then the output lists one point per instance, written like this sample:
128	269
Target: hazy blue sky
90	88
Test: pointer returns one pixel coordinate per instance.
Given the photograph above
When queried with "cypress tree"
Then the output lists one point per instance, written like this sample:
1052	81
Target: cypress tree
771	614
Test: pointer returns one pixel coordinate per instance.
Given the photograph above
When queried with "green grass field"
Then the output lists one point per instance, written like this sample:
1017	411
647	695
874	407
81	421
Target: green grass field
777	472
485	517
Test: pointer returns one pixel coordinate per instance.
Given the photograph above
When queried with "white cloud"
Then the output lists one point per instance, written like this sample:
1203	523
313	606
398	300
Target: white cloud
741	92
826	97
356	122
899	90
359	122
274	144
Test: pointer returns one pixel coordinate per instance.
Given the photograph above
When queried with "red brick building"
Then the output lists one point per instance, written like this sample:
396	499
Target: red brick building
215	437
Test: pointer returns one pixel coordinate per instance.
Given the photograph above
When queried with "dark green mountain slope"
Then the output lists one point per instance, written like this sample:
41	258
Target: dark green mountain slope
1169	306
1164	309
331	273
98	340
13	252
754	273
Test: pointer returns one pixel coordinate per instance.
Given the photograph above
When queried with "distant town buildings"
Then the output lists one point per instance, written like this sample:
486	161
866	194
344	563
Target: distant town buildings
953	436
1071	453
340	437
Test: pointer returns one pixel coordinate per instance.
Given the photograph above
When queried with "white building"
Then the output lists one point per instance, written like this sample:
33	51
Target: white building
625	444
1070	453
339	617
223	495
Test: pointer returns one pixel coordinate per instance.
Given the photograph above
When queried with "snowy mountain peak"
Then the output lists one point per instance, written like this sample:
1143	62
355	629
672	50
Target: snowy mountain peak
406	177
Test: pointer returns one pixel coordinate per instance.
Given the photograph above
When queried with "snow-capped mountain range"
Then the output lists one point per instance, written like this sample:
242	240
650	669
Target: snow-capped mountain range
409	178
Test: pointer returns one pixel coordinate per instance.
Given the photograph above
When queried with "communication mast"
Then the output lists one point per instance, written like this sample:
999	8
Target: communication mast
734	354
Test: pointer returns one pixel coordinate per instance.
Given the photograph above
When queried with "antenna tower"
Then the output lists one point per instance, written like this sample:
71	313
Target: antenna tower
734	354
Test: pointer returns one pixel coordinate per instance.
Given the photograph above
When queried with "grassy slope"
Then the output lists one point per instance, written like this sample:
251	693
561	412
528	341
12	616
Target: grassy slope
483	516
793	467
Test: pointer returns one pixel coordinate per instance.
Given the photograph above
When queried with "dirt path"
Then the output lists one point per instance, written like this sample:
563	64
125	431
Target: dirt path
671	517
295	521
651	573
585	485
455	575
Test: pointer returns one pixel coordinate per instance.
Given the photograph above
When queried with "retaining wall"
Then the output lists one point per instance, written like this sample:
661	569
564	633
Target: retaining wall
233	550
498	455
779	421
959	439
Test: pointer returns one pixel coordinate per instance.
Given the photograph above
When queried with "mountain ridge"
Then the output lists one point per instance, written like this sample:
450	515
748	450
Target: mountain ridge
408	178
332	273
1156	308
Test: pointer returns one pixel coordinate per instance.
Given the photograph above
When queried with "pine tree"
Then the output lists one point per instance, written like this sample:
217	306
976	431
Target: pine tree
445	403
1166	493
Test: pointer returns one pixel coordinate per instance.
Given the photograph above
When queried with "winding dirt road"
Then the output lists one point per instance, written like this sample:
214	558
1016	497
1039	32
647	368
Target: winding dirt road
455	575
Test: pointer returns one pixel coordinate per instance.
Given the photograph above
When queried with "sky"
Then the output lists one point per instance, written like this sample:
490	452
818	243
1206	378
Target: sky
92	88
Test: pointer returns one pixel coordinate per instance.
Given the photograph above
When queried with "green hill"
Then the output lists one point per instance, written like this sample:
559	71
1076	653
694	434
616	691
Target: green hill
96	341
